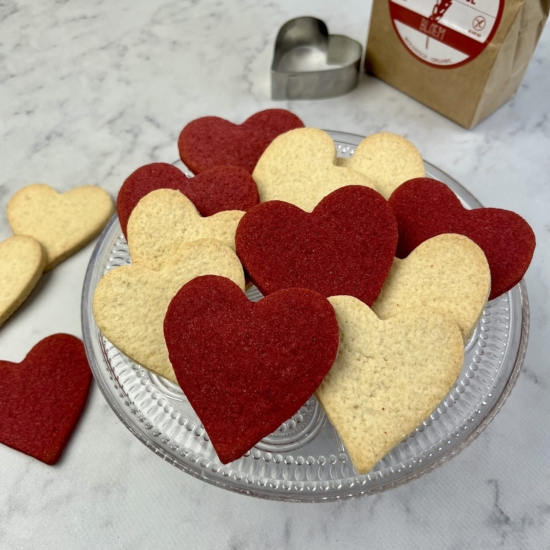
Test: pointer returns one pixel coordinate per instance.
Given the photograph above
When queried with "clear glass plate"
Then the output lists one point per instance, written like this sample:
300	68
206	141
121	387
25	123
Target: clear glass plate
305	460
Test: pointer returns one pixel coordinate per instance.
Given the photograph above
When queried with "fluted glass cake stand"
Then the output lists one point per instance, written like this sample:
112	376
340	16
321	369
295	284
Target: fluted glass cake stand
305	460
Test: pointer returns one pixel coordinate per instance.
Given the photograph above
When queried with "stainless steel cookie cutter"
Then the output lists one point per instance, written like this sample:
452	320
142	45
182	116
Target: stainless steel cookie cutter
311	64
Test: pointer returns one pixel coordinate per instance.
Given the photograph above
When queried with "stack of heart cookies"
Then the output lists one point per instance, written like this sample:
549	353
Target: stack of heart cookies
43	397
374	277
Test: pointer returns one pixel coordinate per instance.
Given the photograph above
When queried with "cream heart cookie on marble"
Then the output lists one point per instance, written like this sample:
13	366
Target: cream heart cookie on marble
130	302
388	160
164	221
448	273
299	167
22	261
61	222
388	376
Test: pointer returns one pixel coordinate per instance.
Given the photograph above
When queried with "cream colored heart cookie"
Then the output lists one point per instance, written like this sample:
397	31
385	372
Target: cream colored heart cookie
449	273
130	302
165	220
61	222
388	376
299	167
388	160
22	262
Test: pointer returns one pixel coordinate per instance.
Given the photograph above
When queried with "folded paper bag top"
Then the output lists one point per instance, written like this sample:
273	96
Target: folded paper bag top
464	59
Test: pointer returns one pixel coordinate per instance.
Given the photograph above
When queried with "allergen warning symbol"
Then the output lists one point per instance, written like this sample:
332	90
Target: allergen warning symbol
479	23
445	33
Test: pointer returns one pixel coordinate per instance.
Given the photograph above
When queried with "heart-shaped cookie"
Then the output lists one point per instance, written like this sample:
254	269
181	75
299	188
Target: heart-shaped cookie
247	367
130	302
212	141
448	273
425	208
42	398
22	261
215	190
388	376
165	220
345	246
299	168
388	160
61	222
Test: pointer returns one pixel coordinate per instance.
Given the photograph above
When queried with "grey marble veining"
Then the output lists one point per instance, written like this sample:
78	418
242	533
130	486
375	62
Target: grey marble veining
92	90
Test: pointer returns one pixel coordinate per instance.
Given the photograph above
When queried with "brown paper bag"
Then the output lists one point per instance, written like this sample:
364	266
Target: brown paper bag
462	58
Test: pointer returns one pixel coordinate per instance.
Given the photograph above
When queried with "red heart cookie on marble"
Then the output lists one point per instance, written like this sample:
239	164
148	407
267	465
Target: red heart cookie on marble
212	141
42	398
247	367
215	190
345	246
425	208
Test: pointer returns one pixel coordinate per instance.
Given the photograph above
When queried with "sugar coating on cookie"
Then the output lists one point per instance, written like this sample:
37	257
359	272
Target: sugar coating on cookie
425	208
247	367
44	396
212	141
388	160
448	273
388	376
130	302
165	220
345	246
61	222
299	168
22	261
215	190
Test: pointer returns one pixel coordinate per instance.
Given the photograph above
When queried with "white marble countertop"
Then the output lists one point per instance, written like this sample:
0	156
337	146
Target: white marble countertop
91	91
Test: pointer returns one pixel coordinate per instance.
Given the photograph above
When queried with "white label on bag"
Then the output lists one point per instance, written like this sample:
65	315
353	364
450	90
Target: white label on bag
446	33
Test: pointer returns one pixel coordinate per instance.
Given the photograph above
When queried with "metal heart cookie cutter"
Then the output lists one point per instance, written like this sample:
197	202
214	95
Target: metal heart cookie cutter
311	64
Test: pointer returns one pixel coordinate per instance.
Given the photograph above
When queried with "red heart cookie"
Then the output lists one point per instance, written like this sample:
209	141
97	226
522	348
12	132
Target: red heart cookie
345	246
42	398
425	208
212	141
247	367
215	190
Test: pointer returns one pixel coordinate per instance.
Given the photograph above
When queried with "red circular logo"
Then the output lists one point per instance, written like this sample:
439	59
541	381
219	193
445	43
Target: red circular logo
446	33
